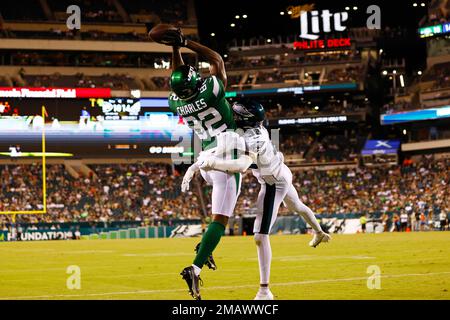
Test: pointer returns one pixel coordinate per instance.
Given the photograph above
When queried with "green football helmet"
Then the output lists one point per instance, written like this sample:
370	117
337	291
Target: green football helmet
185	81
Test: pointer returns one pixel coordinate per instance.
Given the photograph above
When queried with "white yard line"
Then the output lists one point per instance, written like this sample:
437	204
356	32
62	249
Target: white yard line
171	254
121	293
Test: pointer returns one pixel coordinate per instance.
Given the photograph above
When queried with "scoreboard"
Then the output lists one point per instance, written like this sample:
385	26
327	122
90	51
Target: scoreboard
97	127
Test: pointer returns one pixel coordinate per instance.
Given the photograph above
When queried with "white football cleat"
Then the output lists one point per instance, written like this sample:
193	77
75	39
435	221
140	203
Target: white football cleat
318	238
264	296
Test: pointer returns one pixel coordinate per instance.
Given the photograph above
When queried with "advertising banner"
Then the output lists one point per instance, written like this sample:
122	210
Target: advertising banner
37	235
56	93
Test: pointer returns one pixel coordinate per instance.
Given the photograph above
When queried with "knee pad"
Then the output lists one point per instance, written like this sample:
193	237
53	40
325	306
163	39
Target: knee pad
260	237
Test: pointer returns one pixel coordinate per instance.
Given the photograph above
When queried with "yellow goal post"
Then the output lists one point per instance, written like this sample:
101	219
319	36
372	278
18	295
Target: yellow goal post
44	182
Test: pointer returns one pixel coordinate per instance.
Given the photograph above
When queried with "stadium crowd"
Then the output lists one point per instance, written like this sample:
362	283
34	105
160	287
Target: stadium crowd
286	59
417	189
253	78
148	192
141	192
116	81
104	11
308	108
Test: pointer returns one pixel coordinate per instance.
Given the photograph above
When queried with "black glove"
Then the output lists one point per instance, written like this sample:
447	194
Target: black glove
174	38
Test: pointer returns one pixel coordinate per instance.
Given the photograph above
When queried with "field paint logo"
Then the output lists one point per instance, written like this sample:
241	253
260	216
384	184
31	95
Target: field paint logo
374	281
373	21
74	20
74	280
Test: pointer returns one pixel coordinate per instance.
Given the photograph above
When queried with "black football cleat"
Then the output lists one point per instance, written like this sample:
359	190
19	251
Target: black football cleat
210	263
192	281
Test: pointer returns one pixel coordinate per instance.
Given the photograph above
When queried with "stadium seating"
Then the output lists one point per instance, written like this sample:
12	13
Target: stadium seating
148	193
115	81
103	11
30	10
418	187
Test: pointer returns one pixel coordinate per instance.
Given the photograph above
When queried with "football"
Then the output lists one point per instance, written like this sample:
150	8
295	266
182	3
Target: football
158	31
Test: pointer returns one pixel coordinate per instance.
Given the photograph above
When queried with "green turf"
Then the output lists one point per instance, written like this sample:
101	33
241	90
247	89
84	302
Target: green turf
413	266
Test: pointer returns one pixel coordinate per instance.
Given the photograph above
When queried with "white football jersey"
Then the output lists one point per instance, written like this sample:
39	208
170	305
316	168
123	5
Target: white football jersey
268	160
257	144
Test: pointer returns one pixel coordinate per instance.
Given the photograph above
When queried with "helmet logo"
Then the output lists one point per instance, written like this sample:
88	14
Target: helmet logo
191	73
241	110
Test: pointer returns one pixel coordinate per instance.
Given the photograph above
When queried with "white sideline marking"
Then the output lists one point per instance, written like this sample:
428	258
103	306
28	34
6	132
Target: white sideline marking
310	257
88	251
217	287
317	258
173	254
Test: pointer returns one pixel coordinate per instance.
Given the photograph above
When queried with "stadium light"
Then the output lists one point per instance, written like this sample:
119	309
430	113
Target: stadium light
237	16
385	72
355	8
213	34
419	73
244	16
225	55
422	4
282	13
232	25
414	4
402	81
269	40
394	71
289	12
316	108
347	8
135	93
404	132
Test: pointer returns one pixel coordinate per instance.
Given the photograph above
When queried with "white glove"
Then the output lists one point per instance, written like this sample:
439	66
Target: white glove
190	172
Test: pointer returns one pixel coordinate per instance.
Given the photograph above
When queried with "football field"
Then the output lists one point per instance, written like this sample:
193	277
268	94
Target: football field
412	266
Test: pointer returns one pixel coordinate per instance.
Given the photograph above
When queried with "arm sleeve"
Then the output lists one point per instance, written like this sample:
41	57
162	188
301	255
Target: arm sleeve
218	89
238	165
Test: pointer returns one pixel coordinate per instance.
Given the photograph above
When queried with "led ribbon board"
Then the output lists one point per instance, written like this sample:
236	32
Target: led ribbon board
431	31
416	115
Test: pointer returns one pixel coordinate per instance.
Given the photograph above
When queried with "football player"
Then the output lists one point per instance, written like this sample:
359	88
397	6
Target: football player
274	176
201	103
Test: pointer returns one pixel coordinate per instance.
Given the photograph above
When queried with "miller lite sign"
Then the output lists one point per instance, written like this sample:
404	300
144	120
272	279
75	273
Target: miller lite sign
314	22
330	22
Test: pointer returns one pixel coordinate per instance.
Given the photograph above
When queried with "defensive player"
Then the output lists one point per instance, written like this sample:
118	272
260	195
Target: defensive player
273	175
202	104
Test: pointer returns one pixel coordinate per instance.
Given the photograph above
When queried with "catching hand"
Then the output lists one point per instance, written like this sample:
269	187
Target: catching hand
174	38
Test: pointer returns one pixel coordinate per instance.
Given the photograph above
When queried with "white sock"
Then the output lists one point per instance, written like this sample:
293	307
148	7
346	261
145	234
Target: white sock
307	214
196	270
293	202
264	256
264	290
